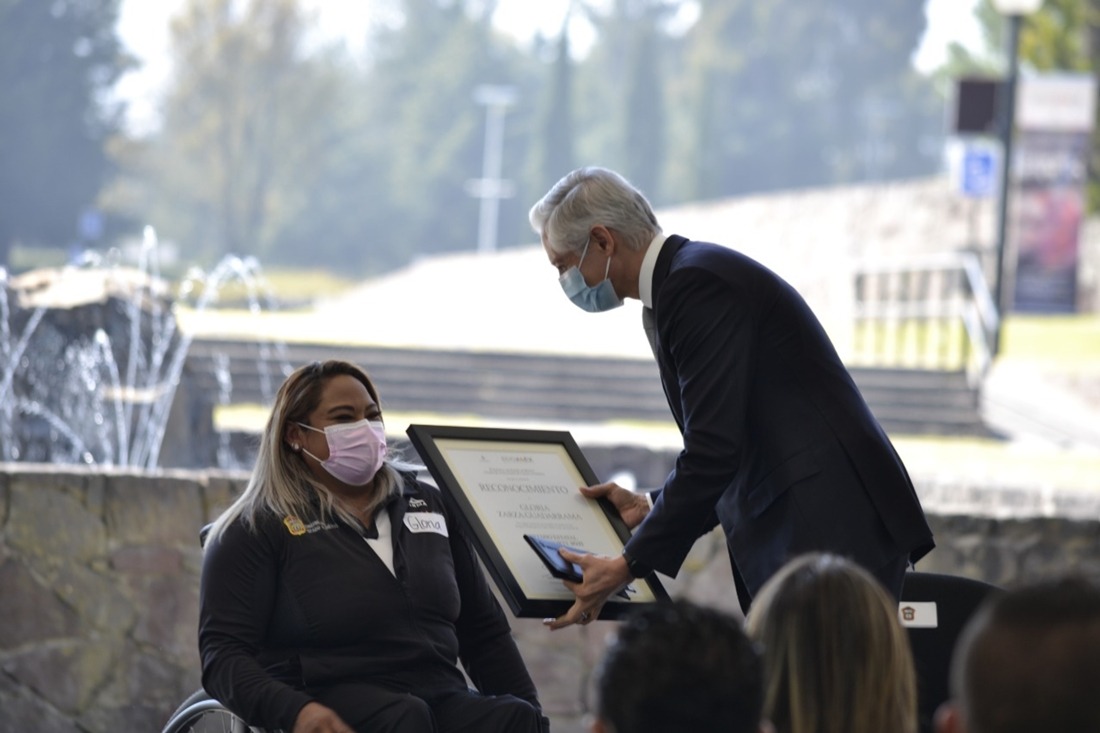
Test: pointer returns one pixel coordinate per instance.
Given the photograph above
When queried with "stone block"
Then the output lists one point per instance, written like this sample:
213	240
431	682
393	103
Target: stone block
147	560
158	682
140	694
5	498
31	611
99	600
49	521
167	615
21	710
220	490
139	715
66	675
146	509
95	491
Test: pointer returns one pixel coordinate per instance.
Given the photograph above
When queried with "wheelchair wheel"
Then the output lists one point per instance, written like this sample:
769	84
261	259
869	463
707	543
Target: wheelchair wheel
200	713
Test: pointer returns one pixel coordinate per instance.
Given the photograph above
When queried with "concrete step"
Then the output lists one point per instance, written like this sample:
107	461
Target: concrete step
555	387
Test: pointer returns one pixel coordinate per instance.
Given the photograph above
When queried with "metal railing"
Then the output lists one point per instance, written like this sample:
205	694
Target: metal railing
926	312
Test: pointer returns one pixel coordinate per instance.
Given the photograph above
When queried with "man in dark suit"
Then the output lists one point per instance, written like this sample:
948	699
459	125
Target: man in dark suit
779	445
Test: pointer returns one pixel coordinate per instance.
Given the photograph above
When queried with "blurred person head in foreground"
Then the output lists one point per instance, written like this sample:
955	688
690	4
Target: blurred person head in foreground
836	658
1029	660
678	667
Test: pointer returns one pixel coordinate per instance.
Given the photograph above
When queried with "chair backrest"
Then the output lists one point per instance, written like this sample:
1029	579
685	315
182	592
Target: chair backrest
935	608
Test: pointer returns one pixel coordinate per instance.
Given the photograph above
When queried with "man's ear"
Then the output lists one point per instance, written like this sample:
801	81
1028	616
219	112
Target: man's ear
603	239
766	726
948	719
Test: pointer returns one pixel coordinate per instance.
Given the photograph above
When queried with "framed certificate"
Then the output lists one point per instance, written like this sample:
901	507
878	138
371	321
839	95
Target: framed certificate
505	484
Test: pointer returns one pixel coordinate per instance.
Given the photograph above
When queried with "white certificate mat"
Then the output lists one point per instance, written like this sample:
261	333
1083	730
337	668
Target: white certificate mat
504	484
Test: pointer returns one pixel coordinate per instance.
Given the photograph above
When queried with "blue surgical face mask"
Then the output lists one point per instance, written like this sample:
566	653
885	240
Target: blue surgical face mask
592	298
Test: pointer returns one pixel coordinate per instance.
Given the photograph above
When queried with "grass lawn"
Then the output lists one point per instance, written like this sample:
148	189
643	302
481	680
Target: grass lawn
1069	342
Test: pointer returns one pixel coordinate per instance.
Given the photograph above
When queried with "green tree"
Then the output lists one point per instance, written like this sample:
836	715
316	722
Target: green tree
646	136
623	85
1063	35
791	94
251	122
58	61
555	146
425	75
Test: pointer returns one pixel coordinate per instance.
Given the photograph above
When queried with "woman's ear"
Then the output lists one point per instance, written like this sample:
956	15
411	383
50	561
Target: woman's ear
292	436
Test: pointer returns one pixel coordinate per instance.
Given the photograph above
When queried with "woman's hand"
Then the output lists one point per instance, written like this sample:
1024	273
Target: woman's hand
632	508
316	718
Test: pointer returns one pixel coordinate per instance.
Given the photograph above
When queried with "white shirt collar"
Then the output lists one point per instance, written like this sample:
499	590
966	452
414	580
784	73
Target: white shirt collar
649	264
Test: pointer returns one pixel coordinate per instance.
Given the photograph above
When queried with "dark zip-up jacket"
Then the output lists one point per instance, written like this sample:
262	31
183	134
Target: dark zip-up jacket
298	604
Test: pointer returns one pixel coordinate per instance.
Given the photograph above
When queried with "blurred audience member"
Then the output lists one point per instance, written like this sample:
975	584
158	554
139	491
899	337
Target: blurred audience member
836	658
678	667
1029	661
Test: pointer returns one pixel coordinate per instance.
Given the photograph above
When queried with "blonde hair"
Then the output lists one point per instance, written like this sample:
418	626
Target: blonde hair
836	658
281	482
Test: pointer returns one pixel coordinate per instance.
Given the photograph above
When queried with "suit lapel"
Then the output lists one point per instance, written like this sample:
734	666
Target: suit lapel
660	272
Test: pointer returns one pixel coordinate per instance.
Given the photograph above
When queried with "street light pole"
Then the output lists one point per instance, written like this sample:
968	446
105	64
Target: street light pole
1014	10
491	188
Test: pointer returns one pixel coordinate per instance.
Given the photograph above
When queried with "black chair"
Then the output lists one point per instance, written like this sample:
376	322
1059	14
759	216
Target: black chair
934	609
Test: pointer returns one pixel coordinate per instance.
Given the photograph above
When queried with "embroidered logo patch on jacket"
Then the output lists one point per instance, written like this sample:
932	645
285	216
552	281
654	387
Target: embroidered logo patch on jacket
298	528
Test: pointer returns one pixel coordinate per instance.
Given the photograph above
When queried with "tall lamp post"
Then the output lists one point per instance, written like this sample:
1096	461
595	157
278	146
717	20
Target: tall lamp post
1014	11
491	188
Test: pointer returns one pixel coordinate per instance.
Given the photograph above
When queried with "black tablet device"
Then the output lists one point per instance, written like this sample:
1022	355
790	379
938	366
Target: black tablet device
559	567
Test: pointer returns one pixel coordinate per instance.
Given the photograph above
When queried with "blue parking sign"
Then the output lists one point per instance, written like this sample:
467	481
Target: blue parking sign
979	168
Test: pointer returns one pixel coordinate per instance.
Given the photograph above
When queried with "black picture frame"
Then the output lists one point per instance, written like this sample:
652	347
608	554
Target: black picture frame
456	456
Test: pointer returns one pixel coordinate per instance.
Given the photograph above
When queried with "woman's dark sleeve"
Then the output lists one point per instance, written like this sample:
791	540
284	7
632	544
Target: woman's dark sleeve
237	595
488	652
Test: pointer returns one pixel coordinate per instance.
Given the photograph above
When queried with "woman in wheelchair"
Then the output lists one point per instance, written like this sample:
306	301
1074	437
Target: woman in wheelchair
338	595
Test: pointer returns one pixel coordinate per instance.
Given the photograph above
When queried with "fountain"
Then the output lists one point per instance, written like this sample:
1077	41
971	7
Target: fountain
93	364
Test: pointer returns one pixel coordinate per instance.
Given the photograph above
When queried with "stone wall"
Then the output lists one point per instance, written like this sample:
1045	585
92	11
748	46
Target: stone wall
99	581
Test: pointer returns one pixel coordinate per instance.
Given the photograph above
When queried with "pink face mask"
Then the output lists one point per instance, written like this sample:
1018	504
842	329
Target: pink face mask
355	450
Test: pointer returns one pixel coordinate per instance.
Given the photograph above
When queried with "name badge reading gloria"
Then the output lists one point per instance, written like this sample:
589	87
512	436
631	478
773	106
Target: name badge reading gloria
426	522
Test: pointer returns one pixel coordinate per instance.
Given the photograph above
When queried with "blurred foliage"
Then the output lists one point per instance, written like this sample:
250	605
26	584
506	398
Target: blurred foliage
252	121
276	145
786	94
1062	36
402	134
58	61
